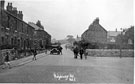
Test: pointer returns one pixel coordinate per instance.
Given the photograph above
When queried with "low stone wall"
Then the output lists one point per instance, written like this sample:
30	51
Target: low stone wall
3	54
110	52
14	55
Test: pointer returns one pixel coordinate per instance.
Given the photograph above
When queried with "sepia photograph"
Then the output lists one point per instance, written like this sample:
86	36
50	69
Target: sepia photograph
67	41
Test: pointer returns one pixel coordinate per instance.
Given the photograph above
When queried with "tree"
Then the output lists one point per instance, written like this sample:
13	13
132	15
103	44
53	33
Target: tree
70	36
129	34
126	38
39	24
70	39
119	39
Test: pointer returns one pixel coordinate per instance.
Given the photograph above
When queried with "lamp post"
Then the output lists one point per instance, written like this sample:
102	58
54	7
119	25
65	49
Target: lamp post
121	43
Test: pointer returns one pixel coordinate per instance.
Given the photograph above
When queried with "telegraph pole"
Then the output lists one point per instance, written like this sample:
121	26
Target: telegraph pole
121	43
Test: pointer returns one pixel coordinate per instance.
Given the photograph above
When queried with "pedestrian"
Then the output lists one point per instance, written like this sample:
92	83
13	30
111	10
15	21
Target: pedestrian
75	50
66	47
34	54
85	53
81	52
60	49
6	61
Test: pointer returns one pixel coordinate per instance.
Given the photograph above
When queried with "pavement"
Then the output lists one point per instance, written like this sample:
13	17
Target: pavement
25	60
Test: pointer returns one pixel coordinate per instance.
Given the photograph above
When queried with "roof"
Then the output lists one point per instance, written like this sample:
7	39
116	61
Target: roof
16	17
96	27
113	33
34	26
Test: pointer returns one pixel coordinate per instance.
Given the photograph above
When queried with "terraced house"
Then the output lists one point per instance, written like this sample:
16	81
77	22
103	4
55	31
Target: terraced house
15	33
41	37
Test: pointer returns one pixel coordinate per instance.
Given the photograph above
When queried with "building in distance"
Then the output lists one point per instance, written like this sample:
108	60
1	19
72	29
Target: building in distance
111	36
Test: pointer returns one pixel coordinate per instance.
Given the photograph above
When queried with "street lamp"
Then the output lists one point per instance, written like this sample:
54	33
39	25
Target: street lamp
121	43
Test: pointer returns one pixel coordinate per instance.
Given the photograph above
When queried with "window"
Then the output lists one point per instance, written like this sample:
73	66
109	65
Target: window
12	41
2	40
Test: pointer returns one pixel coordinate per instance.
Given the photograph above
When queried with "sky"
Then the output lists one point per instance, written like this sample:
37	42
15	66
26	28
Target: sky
72	17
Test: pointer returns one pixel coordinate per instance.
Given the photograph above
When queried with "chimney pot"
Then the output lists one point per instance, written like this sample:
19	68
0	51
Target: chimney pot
10	4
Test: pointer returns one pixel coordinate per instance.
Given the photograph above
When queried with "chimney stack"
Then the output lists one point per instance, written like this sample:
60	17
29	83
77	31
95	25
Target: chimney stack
15	11
96	21
20	15
2	3
9	7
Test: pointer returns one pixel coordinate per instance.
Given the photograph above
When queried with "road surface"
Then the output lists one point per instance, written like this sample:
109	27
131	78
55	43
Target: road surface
65	69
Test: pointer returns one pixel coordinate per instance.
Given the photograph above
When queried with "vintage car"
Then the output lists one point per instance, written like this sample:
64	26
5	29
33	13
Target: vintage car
55	49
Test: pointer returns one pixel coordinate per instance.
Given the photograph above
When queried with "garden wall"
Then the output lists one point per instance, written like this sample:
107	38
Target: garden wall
110	52
13	55
3	54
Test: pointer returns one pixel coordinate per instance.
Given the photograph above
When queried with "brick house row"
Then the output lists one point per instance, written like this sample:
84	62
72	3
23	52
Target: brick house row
17	33
41	37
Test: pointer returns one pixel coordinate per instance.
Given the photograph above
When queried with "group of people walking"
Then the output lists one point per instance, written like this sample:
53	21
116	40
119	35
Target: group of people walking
80	51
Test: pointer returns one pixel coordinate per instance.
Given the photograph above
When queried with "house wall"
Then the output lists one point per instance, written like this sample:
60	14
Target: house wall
95	33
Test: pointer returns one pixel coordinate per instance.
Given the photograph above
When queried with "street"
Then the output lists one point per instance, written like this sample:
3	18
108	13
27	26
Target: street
65	69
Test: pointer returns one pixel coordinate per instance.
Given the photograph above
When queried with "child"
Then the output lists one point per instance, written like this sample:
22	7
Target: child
6	61
85	53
